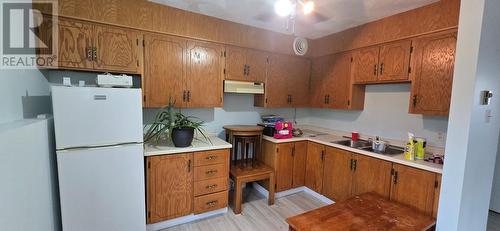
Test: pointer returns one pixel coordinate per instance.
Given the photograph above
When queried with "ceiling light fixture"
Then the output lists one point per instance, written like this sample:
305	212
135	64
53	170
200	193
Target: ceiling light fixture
283	7
308	7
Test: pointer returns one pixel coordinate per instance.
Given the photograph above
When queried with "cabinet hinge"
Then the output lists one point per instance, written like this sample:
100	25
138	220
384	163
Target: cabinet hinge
143	43
224	53
409	70
352	59
149	214
144	98
348	103
224	71
392	172
137	62
149	164
436	184
266	100
137	40
411	49
275	187
277	149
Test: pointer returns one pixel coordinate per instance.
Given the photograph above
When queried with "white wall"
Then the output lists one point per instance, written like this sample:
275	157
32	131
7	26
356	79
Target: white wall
467	178
385	114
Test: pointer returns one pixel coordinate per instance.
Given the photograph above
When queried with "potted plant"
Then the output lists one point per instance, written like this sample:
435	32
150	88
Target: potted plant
173	126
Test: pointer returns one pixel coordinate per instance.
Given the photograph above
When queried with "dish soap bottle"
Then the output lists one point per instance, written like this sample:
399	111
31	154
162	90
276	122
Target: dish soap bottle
410	147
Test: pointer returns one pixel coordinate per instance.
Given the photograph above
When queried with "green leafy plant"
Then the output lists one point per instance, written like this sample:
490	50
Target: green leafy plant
167	119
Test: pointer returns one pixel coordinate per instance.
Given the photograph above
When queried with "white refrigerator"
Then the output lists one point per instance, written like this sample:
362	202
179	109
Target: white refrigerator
100	158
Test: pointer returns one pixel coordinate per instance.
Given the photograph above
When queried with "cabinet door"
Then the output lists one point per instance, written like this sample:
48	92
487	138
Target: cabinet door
298	83
75	44
314	166
320	78
284	168
204	67
413	187
432	74
257	65
299	164
371	175
277	91
437	192
169	186
340	82
365	65
337	176
117	49
395	61
165	70
236	59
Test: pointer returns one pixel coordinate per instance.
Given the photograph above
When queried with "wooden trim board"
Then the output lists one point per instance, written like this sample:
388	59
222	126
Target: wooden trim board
185	219
285	193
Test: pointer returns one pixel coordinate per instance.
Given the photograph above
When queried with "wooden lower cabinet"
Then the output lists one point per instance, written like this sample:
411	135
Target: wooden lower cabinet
337	174
181	184
436	196
314	166
413	187
371	175
169	180
288	161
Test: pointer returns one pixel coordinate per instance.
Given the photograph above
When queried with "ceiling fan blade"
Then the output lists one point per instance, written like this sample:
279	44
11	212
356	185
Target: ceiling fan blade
265	16
313	17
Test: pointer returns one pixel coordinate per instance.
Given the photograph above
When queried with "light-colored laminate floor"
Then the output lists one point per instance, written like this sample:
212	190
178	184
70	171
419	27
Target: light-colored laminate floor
493	221
256	214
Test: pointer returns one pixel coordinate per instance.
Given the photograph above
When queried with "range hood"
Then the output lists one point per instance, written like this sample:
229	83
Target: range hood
231	86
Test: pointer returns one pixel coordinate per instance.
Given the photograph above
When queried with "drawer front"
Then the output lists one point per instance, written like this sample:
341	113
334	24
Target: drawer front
211	157
210	172
210	202
210	186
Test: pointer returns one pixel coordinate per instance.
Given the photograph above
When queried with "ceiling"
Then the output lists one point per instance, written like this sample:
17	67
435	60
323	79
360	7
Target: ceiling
340	14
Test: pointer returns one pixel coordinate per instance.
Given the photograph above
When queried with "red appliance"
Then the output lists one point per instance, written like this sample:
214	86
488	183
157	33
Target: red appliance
283	130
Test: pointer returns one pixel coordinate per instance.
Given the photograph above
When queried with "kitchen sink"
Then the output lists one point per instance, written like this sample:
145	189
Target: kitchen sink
352	144
391	150
366	146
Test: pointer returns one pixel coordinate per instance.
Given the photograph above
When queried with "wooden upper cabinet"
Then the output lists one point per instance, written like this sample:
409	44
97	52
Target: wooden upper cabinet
204	67
314	166
165	70
394	61
256	65
284	168
298	83
365	65
245	64
371	175
169	186
75	44
432	73
337	174
236	59
320	79
299	163
414	187
117	49
340	82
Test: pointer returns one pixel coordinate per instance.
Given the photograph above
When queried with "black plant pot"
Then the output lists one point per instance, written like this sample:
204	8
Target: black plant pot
182	137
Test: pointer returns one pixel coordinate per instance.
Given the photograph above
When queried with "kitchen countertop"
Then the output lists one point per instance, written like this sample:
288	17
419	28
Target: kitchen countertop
322	137
197	145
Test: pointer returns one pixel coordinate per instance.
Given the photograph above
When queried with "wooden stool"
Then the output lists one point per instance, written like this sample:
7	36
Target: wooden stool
247	169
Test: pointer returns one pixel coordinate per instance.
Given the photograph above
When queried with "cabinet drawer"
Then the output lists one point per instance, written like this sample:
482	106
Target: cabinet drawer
210	186
211	157
210	172
210	202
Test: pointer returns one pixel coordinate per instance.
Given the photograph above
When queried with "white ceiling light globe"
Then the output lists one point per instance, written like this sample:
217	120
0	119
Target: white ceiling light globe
308	7
283	7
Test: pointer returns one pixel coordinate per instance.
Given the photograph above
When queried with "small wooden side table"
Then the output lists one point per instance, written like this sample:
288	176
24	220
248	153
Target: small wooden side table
241	171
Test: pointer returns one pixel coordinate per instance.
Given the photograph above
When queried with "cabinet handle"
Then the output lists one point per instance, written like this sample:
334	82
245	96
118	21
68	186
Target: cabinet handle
381	68
89	53
325	99
322	155
395	179
245	70
355	164
183	96
352	162
293	151
211	203
212	186
94	53
210	157
328	99
375	69
188	96
248	73
189	165
211	172
414	100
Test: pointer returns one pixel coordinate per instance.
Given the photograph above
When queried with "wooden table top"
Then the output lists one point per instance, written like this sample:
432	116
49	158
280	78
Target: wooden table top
367	211
244	128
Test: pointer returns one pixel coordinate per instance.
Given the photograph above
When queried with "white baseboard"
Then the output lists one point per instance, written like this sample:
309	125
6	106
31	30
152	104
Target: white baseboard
182	220
305	189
